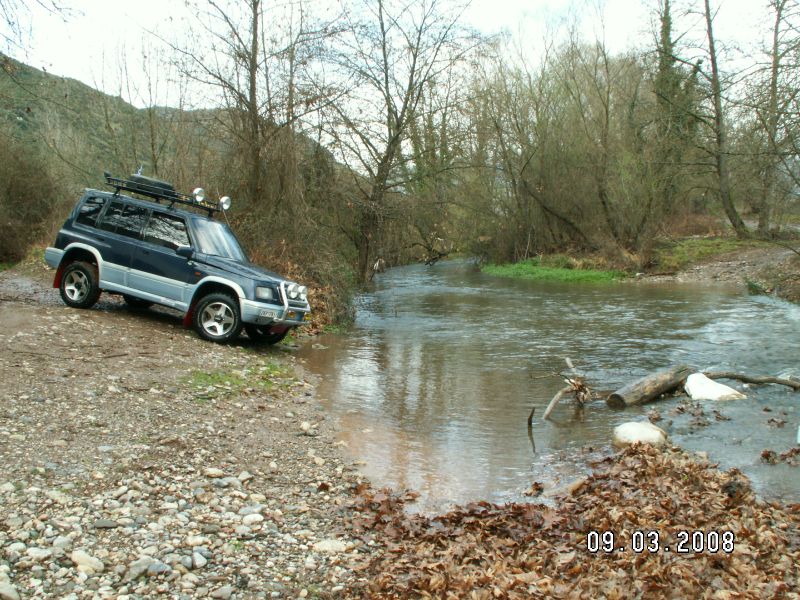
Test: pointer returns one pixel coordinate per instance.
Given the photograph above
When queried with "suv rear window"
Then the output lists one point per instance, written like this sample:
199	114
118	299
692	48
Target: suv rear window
125	220
166	230
89	211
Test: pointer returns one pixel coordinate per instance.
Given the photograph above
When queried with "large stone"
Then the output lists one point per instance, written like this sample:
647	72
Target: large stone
138	567
38	554
639	431
86	562
700	387
8	592
330	546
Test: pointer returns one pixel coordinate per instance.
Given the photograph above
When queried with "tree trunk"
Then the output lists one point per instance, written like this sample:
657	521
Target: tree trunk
721	150
649	387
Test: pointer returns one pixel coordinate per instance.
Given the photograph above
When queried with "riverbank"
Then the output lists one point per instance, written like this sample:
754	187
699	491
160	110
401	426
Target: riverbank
759	267
140	461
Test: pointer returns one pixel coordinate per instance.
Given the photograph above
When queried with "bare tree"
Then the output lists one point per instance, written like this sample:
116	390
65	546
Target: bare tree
721	146
392	52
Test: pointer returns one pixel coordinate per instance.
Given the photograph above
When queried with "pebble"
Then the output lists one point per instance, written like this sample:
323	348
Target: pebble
138	568
157	568
199	560
330	546
86	561
252	519
105	524
223	593
38	554
8	592
214	473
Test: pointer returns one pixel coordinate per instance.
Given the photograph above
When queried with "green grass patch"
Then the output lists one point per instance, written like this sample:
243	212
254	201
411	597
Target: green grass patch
675	256
5	266
534	270
262	377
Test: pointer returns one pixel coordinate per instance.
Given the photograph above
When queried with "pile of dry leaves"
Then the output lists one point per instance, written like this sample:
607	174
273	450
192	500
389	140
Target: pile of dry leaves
534	551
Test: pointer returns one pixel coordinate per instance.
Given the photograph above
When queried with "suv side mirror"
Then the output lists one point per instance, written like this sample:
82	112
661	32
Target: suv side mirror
184	251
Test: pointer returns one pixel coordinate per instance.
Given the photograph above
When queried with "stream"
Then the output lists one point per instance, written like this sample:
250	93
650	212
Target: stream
432	387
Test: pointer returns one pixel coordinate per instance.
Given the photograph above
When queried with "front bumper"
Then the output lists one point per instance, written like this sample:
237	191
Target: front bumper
261	313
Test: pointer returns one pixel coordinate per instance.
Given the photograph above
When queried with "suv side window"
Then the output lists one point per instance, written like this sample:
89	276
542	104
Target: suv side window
166	230
125	220
89	211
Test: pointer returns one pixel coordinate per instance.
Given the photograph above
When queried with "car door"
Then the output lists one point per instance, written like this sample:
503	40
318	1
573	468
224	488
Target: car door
156	269
123	223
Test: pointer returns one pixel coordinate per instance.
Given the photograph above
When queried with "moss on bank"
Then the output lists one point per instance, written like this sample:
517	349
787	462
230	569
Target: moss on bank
554	268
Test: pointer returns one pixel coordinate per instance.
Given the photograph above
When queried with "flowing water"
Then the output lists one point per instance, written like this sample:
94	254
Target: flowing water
433	386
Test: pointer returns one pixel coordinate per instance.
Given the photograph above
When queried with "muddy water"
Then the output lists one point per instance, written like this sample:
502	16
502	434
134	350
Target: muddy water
433	387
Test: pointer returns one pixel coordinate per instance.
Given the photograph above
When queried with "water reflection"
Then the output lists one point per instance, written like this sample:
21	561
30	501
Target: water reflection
434	386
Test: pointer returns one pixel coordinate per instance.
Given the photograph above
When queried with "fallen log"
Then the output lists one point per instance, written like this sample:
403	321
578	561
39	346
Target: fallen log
757	379
649	387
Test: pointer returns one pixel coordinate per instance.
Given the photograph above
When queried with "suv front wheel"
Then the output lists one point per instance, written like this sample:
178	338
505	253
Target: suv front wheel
217	318
79	287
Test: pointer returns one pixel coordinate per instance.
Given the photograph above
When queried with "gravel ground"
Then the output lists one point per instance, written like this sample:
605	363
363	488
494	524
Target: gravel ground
140	461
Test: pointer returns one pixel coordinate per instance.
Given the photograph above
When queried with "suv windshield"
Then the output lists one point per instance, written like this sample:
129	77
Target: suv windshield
213	237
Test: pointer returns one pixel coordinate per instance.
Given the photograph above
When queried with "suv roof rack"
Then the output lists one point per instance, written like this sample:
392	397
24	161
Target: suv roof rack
157	190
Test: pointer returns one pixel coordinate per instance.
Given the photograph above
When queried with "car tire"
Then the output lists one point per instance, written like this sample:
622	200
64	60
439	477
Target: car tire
217	318
135	302
262	335
78	287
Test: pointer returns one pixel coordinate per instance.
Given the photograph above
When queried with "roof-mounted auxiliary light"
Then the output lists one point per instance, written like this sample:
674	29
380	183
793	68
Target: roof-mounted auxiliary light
199	195
225	203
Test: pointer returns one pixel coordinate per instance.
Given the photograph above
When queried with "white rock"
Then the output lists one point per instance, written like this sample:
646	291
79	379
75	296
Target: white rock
642	431
273	467
62	541
700	387
305	426
59	497
245	476
86	561
213	472
15	548
38	554
252	519
196	540
8	592
330	546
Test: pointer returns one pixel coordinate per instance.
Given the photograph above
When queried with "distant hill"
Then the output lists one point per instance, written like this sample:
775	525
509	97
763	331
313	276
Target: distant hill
87	131
83	132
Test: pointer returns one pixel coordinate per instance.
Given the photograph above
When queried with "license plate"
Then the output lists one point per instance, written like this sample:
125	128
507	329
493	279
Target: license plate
267	314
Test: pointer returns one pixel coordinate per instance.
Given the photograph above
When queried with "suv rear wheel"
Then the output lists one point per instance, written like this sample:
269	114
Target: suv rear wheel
217	319
79	285
262	334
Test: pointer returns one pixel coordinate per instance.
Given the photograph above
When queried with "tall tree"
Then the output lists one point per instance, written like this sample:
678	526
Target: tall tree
721	148
391	53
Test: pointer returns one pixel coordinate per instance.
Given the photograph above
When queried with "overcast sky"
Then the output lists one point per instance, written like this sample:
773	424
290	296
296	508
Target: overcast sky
87	45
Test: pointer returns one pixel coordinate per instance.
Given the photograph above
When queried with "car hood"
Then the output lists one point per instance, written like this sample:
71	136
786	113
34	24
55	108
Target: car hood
239	268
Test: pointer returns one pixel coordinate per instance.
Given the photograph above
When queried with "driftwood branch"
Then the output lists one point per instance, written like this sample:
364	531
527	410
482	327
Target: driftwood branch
792	383
555	400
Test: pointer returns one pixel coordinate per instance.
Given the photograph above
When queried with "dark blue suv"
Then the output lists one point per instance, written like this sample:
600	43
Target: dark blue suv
155	251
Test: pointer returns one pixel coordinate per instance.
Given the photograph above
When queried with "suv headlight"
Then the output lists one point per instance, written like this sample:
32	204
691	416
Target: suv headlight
303	291
265	293
292	290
